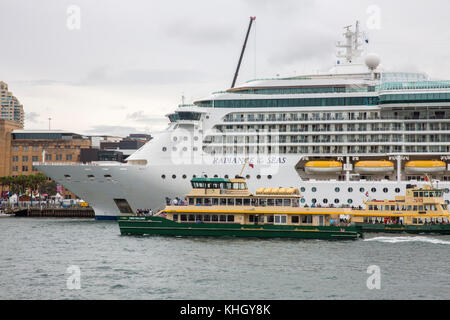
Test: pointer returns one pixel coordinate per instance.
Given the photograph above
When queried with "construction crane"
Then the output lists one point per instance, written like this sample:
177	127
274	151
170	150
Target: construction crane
242	52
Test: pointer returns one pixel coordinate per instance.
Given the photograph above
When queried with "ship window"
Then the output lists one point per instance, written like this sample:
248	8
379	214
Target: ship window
349	201
421	194
415	220
191	201
199	201
215	201
269	177
302	189
207	201
313	189
325	201
447	190
251	218
222	218
270	202
230	202
183	217
174	176
164	149
336	201
362	190
306	219
416	194
385	190
350	190
270	219
397	190
239	202
223	201
295	219
337	189
370	207
184	176
246	202
420	208
163	176
230	218
287	202
314	201
258	177
425	194
409	208
191	217
374	190
303	200
206	218
199	217
279	202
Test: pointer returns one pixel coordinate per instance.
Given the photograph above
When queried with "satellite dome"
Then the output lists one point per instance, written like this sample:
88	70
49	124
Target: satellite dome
372	61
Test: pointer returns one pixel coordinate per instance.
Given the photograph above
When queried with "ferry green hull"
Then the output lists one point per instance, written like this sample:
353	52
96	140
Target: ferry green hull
413	229
165	227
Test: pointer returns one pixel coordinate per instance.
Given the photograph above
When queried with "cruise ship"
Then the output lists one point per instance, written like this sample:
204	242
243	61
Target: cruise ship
353	133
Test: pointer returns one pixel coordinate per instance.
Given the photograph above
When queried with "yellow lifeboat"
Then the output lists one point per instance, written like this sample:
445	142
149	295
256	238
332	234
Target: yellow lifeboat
323	167
431	166
374	167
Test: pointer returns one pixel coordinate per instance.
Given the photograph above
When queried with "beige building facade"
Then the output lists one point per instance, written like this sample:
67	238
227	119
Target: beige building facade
10	107
6	129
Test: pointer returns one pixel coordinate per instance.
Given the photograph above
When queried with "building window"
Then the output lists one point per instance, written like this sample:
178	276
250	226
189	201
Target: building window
24	158
68	157
25	148
58	157
15	158
24	168
48	157
35	148
15	168
35	158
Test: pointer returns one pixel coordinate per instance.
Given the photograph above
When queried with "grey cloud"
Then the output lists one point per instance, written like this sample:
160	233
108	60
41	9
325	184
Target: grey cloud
32	117
120	131
191	31
140	116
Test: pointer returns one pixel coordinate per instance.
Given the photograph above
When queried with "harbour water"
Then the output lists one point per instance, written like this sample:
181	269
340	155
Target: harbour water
36	252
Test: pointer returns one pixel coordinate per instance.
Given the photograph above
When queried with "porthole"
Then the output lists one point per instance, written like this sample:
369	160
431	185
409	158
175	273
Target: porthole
163	176
185	149
361	190
313	189
349	201
336	201
164	149
385	190
337	189
207	117
269	177
325	201
374	190
302	189
314	201
194	176
447	202
175	139
185	138
195	138
184	176
350	190
397	190
226	176
447	190
303	200
174	176
247	177
216	176
258	177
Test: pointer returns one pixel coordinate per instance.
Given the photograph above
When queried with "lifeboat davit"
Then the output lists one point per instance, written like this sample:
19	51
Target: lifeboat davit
432	166
374	167
323	167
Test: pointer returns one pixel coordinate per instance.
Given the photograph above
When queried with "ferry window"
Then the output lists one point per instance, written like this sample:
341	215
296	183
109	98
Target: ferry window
199	201
261	219
444	206
270	219
277	219
414	208
183	217
279	202
416	194
251	218
175	217
215	217
199	217
191	217
230	201
191	201
164	149
314	201
425	194
295	219
207	202
239	202
230	218
370	207
287	202
222	218
420	208
306	219
283	219
415	220
392	208
207	218
223	201
421	194
246	202
409	208
215	201
270	202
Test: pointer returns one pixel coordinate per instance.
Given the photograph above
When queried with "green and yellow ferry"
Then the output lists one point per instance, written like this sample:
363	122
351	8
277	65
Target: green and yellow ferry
420	210
225	207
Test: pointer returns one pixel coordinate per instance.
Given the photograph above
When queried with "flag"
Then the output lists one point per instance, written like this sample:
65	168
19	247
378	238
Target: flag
426	178
367	193
251	165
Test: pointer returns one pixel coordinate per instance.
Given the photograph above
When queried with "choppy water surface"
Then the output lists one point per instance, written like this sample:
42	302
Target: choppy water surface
35	255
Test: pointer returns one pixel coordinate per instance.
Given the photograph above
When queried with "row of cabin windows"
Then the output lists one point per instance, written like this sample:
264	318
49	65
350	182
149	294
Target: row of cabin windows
219	185
432	194
243	202
414	220
277	219
428	207
203	218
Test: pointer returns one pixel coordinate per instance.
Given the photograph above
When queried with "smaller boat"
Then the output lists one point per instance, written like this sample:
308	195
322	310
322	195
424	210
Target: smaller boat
323	167
423	167
225	207
421	210
374	167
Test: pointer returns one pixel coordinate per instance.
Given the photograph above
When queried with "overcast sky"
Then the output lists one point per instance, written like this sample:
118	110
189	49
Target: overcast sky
131	61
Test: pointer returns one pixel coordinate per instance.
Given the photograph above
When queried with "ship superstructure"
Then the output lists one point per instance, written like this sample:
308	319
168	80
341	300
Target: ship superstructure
340	136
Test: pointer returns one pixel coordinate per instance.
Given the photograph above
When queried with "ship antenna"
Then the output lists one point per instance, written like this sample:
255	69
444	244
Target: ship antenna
243	167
